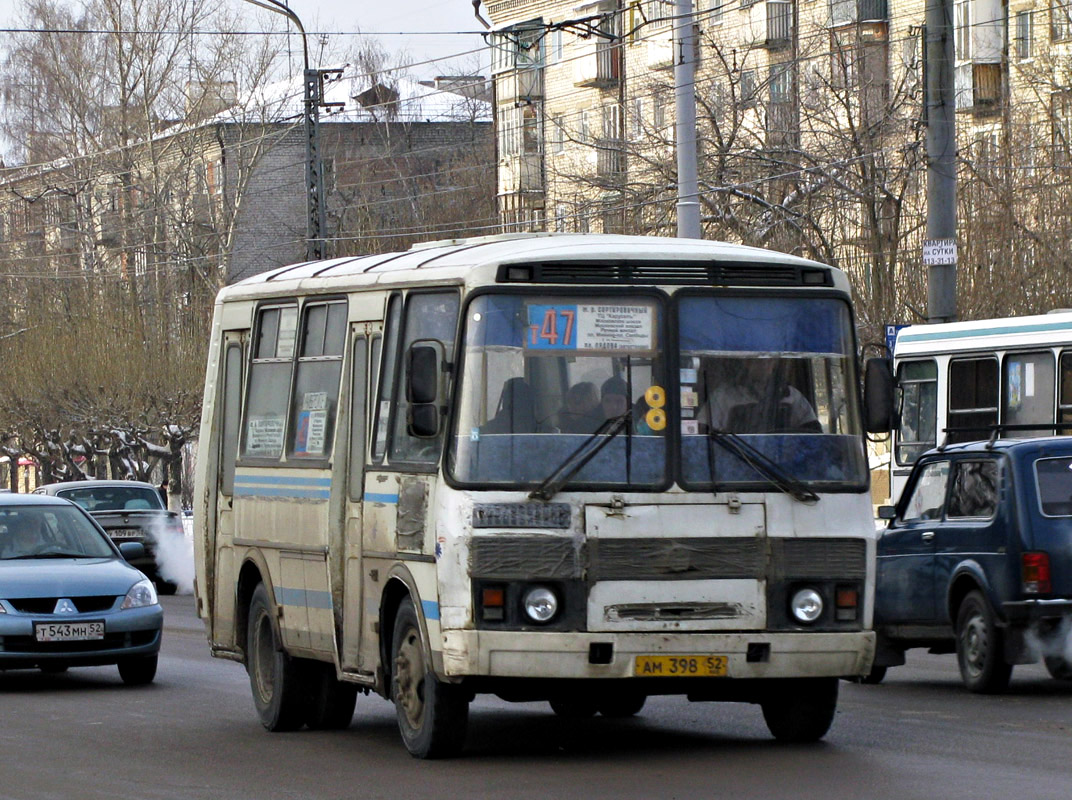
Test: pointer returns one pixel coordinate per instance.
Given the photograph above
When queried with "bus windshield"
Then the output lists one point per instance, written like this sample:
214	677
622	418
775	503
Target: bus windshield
776	373
542	374
544	378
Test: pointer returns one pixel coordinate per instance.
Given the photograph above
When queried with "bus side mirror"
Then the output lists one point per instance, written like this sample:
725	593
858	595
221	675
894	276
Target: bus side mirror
424	370
878	396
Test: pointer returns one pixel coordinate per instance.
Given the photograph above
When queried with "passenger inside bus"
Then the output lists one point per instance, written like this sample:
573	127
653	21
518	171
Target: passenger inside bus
754	395
582	412
516	412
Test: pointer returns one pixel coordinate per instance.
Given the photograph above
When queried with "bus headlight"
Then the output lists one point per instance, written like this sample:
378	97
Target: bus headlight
540	604
806	605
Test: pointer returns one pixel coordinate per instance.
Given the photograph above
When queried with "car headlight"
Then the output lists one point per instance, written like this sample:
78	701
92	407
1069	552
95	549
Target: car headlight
540	604
141	594
806	605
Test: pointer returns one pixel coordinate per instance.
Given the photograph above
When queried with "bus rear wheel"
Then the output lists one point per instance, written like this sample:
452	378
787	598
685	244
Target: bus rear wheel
801	710
331	701
432	716
274	676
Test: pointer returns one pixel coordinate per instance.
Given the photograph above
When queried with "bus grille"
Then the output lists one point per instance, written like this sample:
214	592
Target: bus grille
657	273
679	558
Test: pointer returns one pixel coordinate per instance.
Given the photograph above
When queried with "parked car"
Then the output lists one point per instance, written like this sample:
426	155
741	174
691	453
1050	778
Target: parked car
977	560
68	597
129	511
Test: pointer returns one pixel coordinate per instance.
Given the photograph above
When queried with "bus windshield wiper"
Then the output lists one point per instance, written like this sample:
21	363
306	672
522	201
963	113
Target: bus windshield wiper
762	464
575	461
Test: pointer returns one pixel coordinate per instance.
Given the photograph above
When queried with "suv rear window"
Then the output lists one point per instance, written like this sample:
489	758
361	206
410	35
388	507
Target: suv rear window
1054	479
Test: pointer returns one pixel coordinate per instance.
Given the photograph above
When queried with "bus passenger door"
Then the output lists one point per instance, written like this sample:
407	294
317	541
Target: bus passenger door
222	578
364	344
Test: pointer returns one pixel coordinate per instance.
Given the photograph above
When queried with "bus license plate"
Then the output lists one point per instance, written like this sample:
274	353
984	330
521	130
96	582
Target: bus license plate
68	631
681	666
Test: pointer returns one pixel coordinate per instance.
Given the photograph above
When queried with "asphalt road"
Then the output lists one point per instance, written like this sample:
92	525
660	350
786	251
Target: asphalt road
193	734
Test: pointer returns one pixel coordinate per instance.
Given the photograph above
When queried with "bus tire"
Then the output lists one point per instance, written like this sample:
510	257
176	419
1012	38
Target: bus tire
980	650
1059	667
274	676
622	706
432	716
574	707
801	710
331	701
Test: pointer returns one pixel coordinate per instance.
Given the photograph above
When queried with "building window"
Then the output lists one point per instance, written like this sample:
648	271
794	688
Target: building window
586	126
843	56
658	110
747	88
1025	35
1060	22
962	39
558	134
555	54
636	119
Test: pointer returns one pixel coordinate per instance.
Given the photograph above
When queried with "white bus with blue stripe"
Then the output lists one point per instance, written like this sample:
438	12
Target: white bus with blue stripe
577	469
959	380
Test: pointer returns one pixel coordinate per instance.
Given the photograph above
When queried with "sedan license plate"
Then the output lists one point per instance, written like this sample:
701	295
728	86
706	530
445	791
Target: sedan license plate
68	631
681	666
128	534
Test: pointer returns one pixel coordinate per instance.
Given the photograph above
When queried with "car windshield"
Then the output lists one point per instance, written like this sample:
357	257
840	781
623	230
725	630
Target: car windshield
112	498
58	531
777	373
541	374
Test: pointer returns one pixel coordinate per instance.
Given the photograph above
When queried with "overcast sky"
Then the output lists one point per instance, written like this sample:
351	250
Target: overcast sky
418	27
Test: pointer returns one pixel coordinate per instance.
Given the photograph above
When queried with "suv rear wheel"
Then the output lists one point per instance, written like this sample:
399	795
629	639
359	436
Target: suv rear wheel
980	647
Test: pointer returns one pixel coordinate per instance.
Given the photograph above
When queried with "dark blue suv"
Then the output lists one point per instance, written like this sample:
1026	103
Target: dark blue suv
977	560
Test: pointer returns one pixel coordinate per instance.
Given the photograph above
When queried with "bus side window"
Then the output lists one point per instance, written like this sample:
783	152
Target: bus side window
232	406
316	384
1064	381
1028	395
358	384
269	382
386	385
429	315
973	398
918	384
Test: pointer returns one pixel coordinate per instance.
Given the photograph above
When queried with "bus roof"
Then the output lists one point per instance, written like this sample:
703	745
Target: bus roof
1006	332
478	259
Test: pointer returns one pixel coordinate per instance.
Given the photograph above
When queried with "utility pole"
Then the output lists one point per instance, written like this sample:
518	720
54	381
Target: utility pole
940	247
314	174
688	190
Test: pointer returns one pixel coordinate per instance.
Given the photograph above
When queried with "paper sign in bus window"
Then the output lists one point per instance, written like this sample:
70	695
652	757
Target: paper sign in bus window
312	424
264	436
590	327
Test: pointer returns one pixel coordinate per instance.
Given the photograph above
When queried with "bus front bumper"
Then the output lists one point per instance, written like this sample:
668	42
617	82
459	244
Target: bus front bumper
514	654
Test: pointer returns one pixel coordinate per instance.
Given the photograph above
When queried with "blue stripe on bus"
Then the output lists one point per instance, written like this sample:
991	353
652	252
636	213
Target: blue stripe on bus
303	597
302	487
431	609
286	491
372	497
929	336
293	480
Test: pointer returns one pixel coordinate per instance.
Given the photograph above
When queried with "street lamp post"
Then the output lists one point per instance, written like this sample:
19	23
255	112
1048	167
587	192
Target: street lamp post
314	174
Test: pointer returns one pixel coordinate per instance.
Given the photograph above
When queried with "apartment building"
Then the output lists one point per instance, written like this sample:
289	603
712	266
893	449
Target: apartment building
810	121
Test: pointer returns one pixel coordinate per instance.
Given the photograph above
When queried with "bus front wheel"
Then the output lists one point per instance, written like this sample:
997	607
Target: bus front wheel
432	715
274	676
801	710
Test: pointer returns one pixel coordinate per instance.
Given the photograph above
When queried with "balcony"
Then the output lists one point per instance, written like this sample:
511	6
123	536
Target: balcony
521	174
779	24
599	65
610	159
979	87
519	86
872	10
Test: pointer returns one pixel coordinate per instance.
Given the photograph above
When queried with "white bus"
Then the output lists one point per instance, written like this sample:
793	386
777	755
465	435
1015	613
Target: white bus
489	466
957	380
